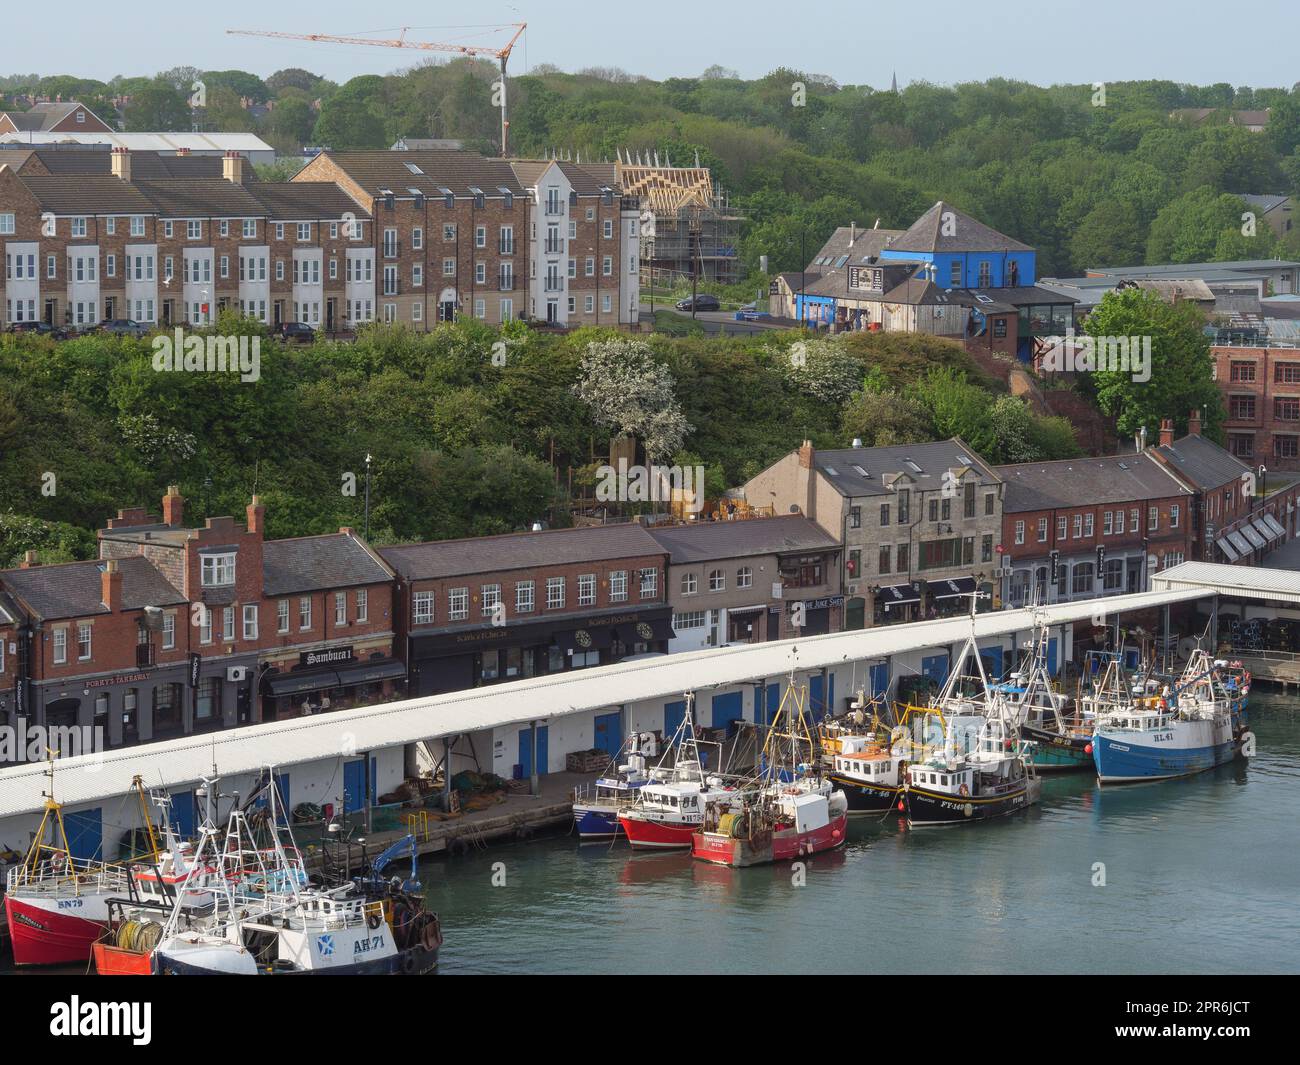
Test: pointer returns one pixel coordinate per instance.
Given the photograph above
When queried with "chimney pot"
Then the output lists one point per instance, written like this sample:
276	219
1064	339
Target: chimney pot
806	453
29	560
256	512
1194	423
232	167
1166	432
110	584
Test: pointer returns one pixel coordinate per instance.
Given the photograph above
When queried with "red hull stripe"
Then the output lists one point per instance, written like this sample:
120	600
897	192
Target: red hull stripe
656	833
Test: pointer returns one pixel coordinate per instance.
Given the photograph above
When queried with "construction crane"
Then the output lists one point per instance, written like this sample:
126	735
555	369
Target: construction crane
501	55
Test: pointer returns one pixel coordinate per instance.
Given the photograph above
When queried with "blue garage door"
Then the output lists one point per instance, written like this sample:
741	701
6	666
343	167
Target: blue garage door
880	679
354	784
1051	657
728	708
526	751
673	714
85	830
935	667
767	701
184	815
609	733
820	703
992	662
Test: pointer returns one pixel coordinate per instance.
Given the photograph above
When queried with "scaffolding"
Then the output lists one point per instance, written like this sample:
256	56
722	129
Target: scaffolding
696	232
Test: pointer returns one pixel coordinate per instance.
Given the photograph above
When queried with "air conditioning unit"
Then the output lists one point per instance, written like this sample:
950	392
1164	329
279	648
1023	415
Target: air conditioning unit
236	673
853	589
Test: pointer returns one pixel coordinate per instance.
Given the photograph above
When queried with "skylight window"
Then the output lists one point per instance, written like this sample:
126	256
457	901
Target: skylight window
413	168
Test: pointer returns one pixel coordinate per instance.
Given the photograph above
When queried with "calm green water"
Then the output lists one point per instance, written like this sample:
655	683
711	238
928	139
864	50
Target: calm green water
1202	875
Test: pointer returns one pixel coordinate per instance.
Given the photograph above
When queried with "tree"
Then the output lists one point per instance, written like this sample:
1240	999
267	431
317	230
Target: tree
1187	230
628	392
158	107
1181	370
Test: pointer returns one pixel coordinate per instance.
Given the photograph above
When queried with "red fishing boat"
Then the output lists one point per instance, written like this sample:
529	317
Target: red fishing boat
669	809
795	812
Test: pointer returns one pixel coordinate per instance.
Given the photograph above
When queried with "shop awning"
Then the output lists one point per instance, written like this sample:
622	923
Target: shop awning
1275	525
894	595
950	589
370	672
299	680
1248	531
1261	527
1242	545
1225	545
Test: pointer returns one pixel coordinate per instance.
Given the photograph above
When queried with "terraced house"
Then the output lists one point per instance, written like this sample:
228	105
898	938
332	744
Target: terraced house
92	235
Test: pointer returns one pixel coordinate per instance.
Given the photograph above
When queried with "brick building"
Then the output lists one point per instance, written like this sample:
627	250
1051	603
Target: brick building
53	116
480	611
919	523
1261	393
172	240
178	629
1082	528
752	580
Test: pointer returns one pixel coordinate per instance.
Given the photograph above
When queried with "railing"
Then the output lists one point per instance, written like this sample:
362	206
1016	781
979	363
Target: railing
553	247
506	284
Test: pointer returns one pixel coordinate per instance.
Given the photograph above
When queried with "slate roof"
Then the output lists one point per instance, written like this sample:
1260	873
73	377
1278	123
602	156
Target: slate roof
1074	482
865	244
708	540
927	234
73	590
304	201
202	198
1203	462
307	563
859	471
437	169
87	194
1264	203
524	550
145	166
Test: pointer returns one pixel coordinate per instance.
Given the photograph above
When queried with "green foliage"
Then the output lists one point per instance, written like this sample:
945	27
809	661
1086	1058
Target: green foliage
1181	366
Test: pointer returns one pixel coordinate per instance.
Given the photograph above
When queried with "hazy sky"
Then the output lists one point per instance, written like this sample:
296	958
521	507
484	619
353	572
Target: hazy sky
858	42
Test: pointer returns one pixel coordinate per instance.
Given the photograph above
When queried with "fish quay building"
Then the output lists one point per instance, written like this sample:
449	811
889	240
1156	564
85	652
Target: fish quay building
345	761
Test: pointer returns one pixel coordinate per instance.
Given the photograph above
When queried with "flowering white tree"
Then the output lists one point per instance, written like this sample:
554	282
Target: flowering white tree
628	391
823	369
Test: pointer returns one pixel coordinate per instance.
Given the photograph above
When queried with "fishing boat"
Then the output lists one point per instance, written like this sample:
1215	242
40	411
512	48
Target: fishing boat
1196	725
56	905
596	806
1058	729
795	811
669	808
981	771
973	764
370	925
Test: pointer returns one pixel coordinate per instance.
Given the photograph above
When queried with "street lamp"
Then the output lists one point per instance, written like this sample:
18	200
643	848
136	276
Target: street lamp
367	534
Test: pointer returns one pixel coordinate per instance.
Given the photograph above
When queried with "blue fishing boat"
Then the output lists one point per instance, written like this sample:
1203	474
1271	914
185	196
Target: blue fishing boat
596	805
1195	725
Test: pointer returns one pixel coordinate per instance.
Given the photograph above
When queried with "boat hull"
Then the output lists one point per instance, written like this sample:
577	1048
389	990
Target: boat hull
865	798
52	931
784	846
595	822
414	961
1052	751
1127	760
926	808
657	835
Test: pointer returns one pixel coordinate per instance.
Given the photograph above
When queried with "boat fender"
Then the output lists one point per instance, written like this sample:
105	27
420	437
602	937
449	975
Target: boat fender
963	791
373	921
968	809
431	936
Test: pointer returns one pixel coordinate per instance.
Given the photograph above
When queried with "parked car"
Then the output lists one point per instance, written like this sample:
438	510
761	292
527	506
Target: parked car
123	327
295	332
41	329
700	302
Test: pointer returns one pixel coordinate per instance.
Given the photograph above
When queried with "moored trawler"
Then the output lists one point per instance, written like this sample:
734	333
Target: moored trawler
596	806
982	772
793	812
1060	732
1200	725
669	808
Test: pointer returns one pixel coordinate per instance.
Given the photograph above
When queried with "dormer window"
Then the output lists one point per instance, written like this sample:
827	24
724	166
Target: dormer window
218	571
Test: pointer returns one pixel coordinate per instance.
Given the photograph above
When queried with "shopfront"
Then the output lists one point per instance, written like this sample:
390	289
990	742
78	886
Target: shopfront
333	678
469	658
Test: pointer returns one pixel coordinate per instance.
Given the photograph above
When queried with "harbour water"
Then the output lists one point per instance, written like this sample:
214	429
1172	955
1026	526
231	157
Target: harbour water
1187	876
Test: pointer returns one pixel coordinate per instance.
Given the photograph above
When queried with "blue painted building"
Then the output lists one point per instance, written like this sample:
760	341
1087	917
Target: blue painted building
963	253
